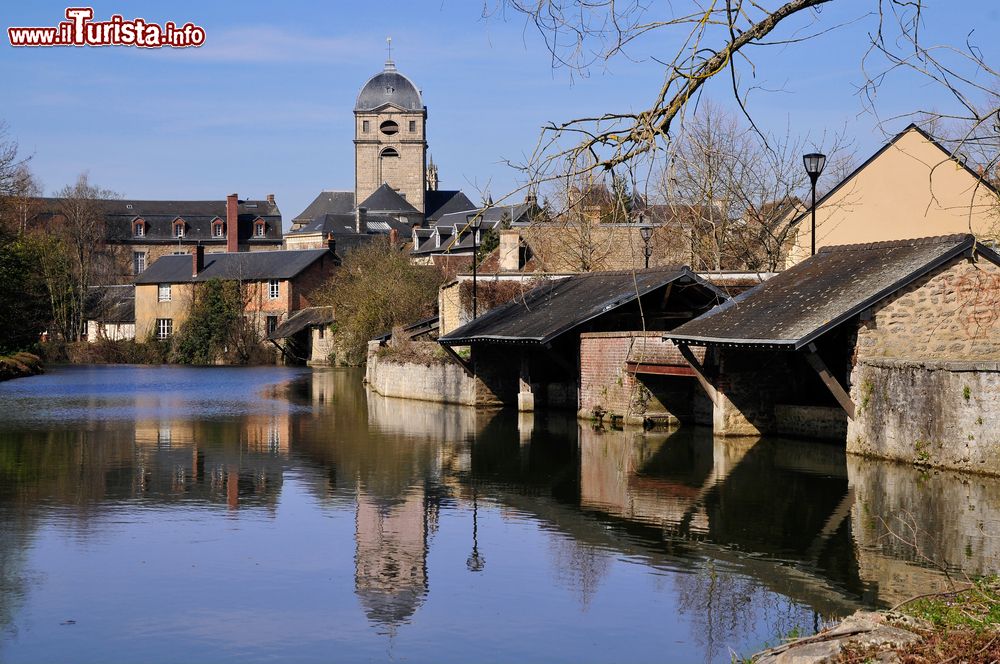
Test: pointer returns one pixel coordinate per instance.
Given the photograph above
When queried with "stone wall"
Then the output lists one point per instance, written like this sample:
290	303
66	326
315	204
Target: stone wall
405	173
823	422
609	390
443	383
936	413
951	314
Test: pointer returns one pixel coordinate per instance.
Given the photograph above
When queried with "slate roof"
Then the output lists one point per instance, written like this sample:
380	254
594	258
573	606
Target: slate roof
247	265
560	305
111	304
159	217
385	199
344	224
302	319
389	87
440	202
795	307
327	202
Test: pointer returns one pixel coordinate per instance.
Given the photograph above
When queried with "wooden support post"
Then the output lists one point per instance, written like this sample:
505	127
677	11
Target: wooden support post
458	358
699	373
842	397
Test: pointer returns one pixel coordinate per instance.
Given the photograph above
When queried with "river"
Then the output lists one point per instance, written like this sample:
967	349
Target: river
166	514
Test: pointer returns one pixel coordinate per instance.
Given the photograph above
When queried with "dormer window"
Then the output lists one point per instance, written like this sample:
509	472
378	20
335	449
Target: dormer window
259	229
218	229
179	228
139	228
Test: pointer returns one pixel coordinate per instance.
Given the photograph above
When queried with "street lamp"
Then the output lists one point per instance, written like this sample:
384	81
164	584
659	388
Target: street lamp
814	163
647	235
475	222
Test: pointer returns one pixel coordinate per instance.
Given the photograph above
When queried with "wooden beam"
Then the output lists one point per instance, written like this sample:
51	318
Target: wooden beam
460	360
832	384
699	373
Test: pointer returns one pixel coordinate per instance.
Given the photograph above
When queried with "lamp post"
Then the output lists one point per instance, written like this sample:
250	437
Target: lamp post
814	163
647	235
475	222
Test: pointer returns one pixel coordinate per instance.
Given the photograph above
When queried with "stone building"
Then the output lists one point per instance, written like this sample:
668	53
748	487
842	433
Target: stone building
395	181
275	284
527	352
894	346
911	187
136	233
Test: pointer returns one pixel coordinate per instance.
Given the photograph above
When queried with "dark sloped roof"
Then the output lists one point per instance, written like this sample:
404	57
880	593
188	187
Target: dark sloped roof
248	266
559	305
327	202
389	87
385	199
437	203
302	319
344	224
111	304
795	307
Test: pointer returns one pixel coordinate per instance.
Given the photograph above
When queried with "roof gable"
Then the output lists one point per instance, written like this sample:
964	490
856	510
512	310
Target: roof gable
387	200
556	307
795	307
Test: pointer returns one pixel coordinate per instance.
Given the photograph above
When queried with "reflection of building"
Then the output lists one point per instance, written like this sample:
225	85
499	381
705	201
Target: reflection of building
390	574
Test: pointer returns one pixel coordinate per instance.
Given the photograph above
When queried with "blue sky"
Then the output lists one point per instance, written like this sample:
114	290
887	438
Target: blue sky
265	106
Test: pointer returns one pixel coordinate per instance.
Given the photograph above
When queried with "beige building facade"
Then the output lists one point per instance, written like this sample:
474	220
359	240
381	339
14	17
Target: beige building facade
911	188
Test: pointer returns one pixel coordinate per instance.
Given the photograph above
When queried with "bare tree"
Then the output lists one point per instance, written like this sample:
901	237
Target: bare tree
739	192
82	214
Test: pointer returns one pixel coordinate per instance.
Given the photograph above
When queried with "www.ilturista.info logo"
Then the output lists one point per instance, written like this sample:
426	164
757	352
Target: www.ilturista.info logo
81	30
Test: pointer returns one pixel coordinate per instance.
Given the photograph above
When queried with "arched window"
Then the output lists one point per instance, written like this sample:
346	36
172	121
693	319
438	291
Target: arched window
389	153
179	228
259	229
139	228
218	228
389	128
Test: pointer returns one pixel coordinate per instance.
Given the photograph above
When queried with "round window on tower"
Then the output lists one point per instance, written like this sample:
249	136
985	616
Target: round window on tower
389	128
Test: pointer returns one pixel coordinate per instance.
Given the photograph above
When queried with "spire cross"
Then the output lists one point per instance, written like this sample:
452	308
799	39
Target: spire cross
388	48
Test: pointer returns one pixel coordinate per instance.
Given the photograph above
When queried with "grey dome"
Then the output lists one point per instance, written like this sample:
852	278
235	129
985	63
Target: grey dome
389	87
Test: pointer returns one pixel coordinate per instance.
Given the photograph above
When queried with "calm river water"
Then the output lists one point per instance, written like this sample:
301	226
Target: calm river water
211	515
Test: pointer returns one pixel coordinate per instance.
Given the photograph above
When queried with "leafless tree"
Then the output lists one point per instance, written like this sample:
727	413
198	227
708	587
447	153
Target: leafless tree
81	211
738	192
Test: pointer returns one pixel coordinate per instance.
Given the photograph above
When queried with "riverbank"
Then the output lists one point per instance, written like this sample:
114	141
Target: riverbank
19	365
959	625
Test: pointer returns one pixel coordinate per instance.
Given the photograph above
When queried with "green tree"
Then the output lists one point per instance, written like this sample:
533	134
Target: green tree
23	303
374	290
216	316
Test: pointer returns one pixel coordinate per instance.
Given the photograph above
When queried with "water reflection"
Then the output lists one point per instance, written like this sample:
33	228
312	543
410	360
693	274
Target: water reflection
372	519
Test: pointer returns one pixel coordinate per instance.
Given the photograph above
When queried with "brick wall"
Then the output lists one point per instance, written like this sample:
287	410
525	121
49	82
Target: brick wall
609	390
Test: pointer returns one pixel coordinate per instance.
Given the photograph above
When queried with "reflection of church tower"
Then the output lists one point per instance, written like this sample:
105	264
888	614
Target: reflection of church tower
389	141
390	564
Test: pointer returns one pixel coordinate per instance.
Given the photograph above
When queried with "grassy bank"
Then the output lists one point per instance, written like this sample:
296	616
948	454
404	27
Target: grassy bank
19	365
959	626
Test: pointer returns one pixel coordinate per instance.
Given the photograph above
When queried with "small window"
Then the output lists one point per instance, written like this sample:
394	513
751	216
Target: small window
413	126
321	332
139	229
178	229
138	262
389	127
217	229
272	324
273	291
366	126
164	328
259	229
163	293
390	153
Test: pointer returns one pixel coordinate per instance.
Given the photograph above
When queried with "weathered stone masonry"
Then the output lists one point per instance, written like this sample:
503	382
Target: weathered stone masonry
927	372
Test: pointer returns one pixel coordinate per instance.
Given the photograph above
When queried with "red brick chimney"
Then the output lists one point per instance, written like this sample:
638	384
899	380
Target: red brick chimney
232	223
331	243
197	260
393	237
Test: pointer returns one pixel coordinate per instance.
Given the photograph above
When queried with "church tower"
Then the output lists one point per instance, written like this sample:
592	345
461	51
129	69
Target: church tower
390	144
